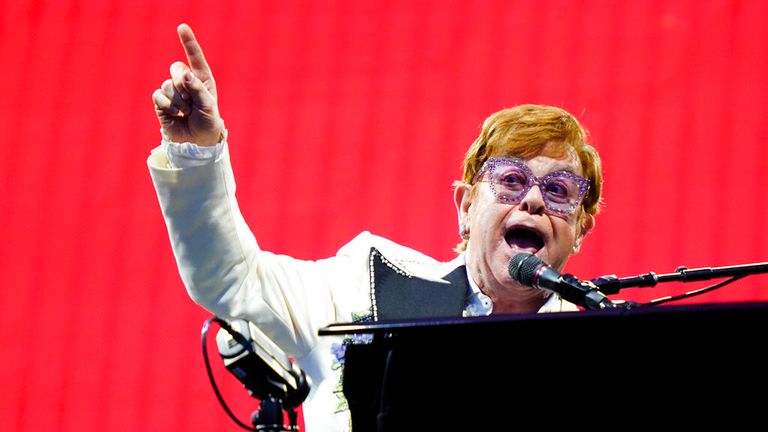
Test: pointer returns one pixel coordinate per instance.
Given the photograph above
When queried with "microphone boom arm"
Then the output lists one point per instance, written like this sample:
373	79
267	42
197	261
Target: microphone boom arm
611	284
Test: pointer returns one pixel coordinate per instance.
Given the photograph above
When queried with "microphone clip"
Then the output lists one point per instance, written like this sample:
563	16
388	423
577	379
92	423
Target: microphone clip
593	298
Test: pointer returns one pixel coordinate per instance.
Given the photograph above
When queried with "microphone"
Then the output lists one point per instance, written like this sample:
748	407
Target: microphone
260	365
530	270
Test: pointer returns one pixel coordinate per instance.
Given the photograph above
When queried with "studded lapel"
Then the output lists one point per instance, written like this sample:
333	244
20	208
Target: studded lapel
397	294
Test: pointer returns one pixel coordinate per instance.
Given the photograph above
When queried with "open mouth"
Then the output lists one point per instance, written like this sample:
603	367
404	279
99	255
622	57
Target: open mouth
524	239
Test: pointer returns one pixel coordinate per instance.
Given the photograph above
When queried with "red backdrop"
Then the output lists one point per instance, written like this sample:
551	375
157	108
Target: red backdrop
343	116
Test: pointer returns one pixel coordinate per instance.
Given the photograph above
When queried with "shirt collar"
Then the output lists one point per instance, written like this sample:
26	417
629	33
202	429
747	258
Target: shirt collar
479	304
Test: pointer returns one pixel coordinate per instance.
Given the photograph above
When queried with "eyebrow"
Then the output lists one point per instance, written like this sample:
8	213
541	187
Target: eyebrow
559	166
562	167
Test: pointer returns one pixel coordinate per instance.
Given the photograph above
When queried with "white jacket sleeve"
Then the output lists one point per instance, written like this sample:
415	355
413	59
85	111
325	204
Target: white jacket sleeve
224	270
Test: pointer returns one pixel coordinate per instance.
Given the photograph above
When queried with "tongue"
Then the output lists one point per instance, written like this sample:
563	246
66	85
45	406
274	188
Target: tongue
523	240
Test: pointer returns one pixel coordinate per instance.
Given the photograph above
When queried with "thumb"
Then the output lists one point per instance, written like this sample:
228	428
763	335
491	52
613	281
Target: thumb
201	96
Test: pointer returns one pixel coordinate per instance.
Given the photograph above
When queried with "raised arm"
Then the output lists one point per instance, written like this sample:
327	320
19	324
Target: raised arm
217	255
186	104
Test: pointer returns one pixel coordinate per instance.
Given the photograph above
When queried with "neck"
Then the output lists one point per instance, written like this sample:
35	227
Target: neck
518	306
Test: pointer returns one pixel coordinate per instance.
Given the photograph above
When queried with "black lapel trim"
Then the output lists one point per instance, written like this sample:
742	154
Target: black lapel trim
397	294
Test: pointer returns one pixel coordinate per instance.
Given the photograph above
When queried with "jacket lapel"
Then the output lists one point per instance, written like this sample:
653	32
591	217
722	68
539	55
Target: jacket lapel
398	294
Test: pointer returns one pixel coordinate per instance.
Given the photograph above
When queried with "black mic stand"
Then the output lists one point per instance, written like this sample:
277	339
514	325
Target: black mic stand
611	284
269	416
264	370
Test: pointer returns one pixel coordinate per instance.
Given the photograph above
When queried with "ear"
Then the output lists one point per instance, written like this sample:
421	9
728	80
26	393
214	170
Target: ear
586	226
462	199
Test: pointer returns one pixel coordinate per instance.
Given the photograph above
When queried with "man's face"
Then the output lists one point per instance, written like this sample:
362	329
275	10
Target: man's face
498	231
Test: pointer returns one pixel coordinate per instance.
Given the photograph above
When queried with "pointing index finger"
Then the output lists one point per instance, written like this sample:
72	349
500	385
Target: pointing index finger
194	53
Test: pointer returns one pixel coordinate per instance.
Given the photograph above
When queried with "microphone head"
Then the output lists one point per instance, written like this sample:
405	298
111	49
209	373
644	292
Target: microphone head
523	266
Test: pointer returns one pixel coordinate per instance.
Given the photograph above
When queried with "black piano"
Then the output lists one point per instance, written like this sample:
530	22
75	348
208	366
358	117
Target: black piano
624	368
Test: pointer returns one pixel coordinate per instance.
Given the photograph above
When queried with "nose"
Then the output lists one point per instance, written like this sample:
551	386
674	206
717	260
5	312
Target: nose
533	201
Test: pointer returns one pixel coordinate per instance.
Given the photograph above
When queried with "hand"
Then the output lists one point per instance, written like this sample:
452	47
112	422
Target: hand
186	104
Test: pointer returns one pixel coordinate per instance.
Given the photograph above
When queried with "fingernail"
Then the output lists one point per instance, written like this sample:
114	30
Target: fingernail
189	76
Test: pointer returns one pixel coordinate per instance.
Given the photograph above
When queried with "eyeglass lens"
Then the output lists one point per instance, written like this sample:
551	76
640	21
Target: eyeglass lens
561	190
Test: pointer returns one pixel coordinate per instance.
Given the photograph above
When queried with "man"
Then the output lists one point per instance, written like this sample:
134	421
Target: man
530	184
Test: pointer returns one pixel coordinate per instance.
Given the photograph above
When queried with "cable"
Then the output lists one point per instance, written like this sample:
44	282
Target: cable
204	335
383	414
692	293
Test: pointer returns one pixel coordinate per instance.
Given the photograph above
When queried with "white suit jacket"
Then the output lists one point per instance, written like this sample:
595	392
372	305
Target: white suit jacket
225	271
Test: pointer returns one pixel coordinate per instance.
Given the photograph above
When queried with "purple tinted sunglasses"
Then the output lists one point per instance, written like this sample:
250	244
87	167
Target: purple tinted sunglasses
511	180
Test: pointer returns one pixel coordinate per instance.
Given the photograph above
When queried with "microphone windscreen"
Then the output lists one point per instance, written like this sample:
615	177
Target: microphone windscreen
523	266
